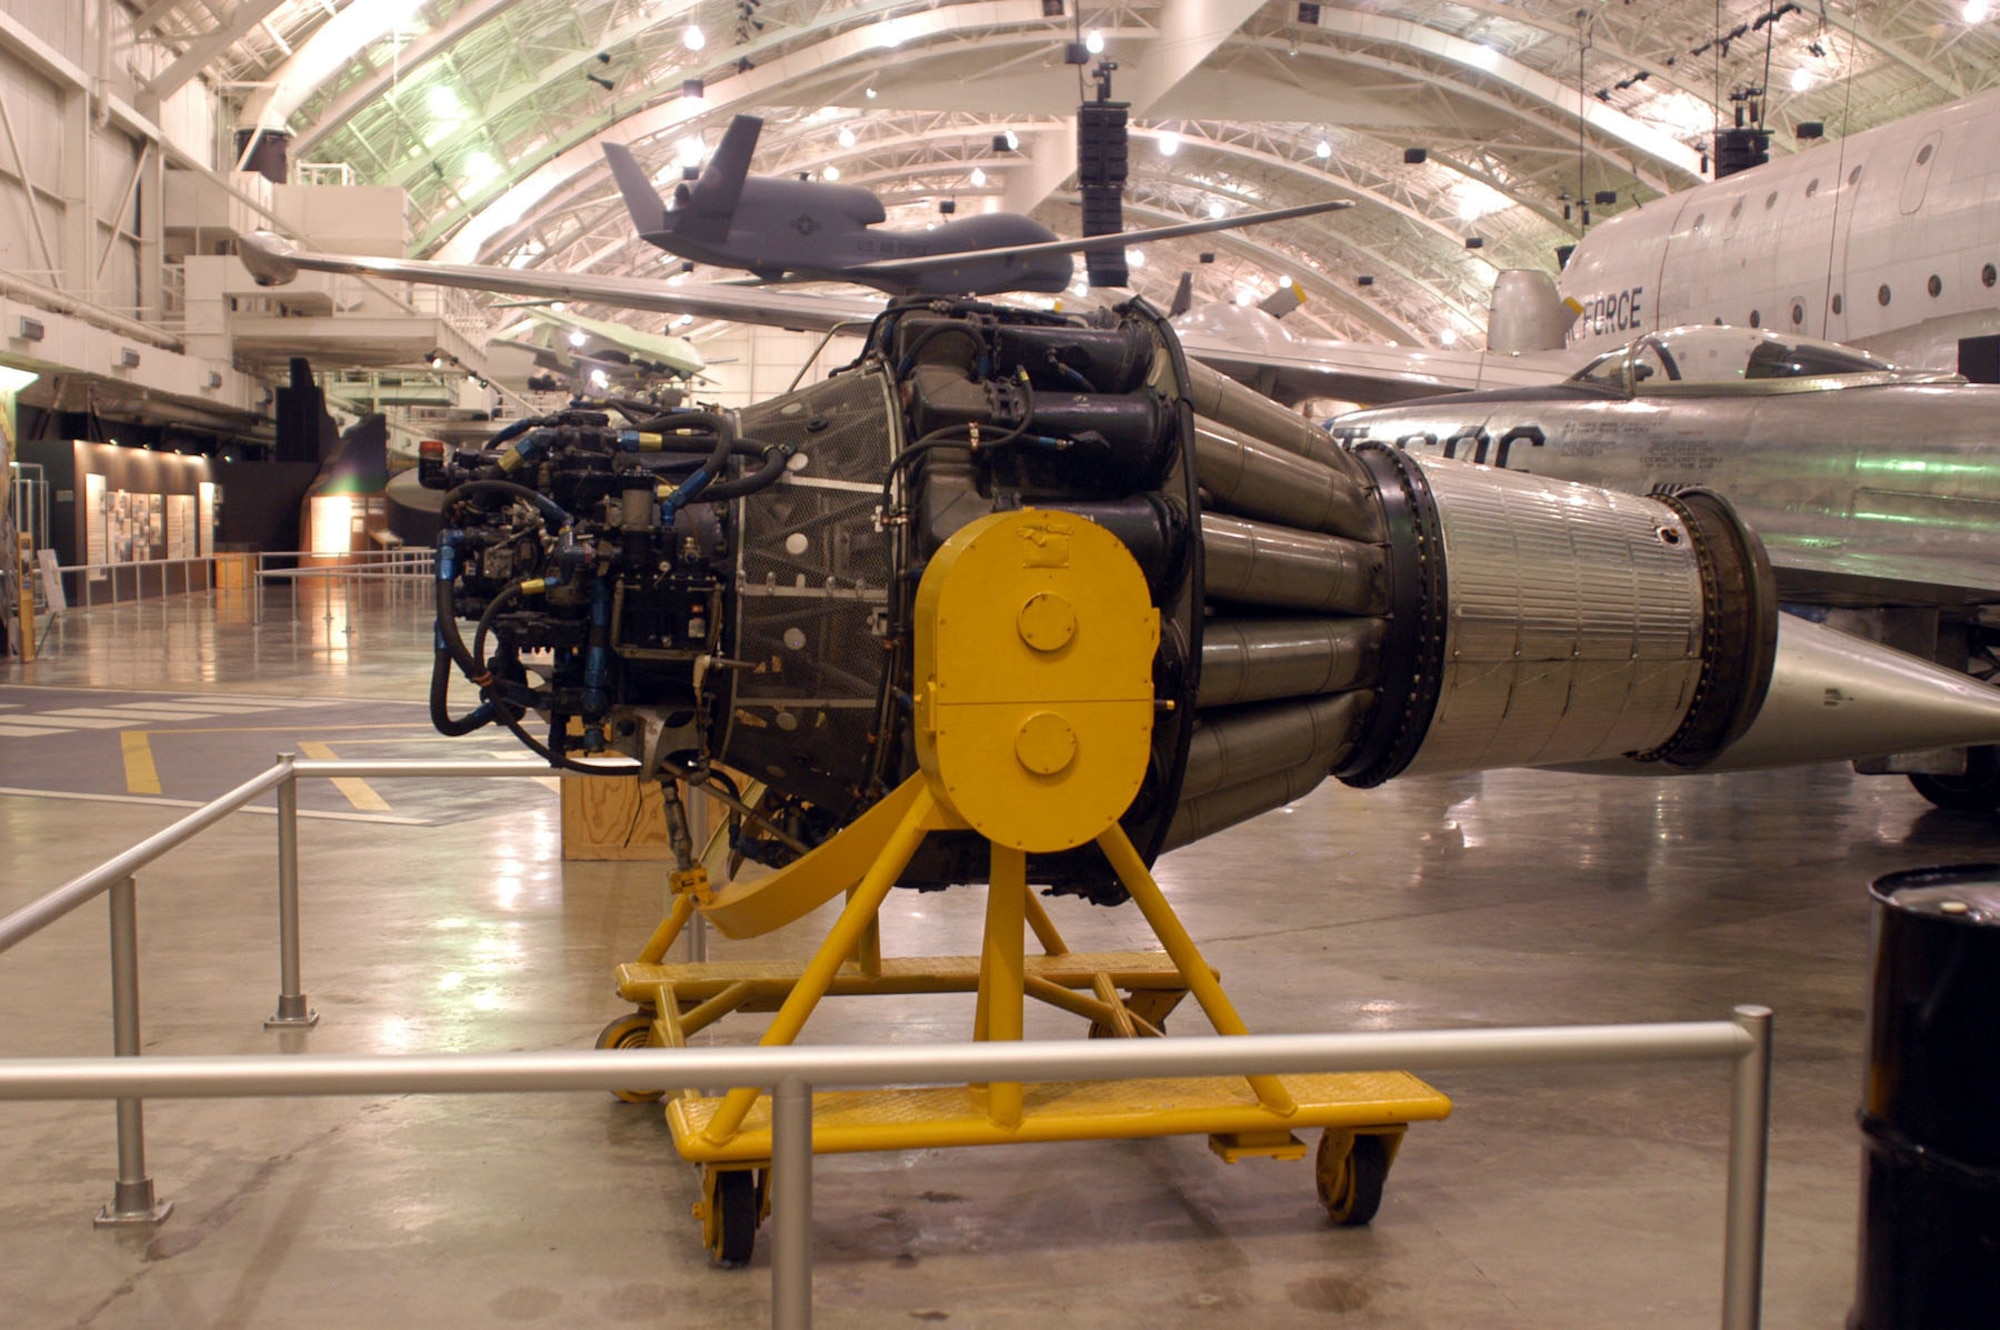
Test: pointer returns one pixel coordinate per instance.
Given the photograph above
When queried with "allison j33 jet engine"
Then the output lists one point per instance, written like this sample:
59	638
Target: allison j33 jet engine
711	592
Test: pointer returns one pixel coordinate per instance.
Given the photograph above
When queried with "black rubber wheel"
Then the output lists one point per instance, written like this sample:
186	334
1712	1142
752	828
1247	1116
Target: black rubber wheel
634	1031
735	1228
1351	1177
1977	791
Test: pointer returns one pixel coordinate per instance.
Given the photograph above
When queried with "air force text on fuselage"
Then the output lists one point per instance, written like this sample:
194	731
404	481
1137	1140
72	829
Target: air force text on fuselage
1614	311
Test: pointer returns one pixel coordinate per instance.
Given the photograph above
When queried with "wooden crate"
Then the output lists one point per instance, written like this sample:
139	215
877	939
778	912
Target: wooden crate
613	817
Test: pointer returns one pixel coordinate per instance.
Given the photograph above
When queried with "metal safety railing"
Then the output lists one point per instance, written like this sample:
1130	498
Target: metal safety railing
791	1073
407	564
89	573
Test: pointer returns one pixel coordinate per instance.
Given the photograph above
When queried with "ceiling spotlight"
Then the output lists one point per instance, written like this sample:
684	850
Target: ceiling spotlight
846	137
870	92
694	38
1245	296
1216	209
1323	150
601	81
689	152
599	380
1802	78
691	89
684	320
1169	144
1977	11
1093	42
1135	257
1080	289
978	176
831	173
577	338
1448	337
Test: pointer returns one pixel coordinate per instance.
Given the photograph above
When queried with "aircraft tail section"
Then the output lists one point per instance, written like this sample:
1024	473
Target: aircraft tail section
649	214
704	210
1527	314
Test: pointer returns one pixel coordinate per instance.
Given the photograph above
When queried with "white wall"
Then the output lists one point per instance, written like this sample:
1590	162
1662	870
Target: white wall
761	362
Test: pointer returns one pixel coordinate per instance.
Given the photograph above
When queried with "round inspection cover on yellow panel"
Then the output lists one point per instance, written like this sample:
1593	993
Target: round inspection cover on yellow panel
1035	637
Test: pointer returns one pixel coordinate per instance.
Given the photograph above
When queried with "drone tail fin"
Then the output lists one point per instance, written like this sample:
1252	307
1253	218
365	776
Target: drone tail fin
649	214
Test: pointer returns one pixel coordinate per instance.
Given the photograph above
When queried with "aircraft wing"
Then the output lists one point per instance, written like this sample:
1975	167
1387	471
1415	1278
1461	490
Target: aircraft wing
1812	574
274	261
901	267
1289	370
675	353
1374	373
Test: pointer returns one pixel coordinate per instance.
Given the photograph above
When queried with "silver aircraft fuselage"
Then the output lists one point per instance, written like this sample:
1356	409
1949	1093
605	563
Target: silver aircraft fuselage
1869	487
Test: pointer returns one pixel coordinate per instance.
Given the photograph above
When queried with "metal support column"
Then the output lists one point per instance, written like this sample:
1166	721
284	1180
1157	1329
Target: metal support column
1749	1161
791	1204
696	934
293	1012
132	1199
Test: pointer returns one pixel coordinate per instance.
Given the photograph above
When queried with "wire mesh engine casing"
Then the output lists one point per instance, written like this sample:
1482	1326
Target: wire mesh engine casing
813	570
1578	623
1573	627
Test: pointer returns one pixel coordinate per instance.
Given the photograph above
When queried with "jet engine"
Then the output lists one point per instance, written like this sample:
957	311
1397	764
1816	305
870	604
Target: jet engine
720	596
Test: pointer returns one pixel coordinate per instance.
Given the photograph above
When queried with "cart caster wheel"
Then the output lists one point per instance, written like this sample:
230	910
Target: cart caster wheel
729	1224
1351	1171
634	1031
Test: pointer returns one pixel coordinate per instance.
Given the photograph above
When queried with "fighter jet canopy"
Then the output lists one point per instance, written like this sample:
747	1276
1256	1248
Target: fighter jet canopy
1704	360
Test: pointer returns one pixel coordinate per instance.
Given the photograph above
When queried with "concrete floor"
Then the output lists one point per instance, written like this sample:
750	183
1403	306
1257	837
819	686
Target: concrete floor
448	922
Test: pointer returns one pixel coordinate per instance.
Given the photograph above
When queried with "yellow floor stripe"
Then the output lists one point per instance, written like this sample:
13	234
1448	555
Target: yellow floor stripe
357	791
140	775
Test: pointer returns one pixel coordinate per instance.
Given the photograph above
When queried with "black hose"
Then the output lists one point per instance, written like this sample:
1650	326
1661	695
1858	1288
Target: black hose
554	759
511	592
514	430
550	510
938	438
441	716
775	459
447	628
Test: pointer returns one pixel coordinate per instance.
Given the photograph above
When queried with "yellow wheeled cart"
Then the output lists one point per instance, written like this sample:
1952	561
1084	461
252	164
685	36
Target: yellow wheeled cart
1034	644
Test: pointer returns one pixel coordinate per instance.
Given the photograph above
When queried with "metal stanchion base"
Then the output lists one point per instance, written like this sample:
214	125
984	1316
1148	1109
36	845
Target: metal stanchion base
292	1014
132	1204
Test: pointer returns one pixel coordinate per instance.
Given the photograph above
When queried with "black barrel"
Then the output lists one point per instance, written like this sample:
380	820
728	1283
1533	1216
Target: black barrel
1930	1118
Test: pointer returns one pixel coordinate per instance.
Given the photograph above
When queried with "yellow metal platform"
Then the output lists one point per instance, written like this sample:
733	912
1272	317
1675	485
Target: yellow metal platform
846	1121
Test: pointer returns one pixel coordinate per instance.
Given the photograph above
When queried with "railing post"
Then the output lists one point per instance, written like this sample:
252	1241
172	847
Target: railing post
1749	1160
293	1013
132	1200
791	1204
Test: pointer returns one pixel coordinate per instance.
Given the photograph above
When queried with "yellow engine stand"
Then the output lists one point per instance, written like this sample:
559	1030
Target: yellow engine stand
1035	639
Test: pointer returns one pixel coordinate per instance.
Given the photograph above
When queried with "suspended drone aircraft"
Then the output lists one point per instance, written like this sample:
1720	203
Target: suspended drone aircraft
811	230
